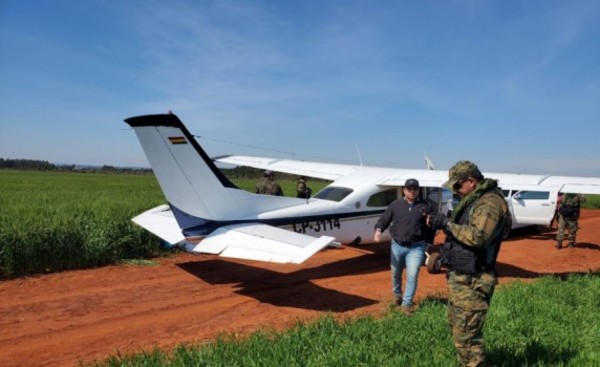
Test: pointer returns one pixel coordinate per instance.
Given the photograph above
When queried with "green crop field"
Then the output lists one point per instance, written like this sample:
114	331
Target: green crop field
54	221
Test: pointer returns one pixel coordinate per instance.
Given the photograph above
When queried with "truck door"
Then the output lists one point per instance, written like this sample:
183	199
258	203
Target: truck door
533	206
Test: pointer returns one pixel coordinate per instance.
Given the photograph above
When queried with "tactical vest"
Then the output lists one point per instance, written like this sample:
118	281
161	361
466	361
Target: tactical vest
469	260
569	210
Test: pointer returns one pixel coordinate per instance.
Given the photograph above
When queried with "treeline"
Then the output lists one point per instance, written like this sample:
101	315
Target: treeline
27	164
38	165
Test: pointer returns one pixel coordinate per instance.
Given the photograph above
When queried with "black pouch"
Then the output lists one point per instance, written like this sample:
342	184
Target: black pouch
445	254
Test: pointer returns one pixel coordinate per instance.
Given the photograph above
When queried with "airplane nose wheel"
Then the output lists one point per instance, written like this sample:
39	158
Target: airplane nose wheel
434	263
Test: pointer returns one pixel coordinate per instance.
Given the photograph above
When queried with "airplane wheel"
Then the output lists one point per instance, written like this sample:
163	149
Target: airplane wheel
434	263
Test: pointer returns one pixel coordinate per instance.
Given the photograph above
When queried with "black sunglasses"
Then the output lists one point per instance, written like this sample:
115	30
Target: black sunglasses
458	184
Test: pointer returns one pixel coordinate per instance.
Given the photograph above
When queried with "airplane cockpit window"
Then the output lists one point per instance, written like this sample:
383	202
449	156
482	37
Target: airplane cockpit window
333	193
383	198
532	195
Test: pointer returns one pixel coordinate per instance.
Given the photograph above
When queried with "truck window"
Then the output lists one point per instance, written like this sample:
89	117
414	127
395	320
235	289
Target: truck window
532	195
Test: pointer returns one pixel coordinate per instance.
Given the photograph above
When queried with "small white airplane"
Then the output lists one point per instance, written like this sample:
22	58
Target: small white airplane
207	213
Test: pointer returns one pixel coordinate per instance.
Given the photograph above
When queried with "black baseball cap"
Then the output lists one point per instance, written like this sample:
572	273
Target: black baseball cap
411	182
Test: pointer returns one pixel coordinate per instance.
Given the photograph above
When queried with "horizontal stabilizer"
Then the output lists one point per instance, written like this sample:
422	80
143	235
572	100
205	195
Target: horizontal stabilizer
260	242
160	222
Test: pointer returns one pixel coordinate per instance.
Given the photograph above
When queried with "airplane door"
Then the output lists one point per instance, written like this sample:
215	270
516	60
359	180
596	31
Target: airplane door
439	198
534	206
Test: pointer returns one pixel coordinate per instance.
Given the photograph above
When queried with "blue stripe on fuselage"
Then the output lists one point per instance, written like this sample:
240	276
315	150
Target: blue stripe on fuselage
194	226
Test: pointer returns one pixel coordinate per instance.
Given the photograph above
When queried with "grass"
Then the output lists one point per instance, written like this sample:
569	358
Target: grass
58	221
591	202
55	221
139	262
550	322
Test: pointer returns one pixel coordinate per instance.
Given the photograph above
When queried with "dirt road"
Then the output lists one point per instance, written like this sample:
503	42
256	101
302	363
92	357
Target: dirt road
59	319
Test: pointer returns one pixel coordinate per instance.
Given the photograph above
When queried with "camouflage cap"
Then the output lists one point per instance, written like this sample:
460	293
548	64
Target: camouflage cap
462	170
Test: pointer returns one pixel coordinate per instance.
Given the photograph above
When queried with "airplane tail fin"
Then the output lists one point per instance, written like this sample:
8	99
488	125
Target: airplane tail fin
184	171
213	214
198	193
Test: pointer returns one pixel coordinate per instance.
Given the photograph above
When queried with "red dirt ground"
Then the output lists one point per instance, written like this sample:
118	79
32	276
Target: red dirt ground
61	319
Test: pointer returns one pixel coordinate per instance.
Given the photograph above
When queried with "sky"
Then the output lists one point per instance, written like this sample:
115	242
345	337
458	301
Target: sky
512	85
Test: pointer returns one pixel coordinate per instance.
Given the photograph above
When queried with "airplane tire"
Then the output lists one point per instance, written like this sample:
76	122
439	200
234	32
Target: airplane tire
434	263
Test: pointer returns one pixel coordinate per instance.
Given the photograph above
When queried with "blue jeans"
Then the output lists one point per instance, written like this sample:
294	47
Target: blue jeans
410	257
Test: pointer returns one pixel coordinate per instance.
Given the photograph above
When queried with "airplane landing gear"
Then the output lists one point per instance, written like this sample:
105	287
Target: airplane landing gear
433	260
434	263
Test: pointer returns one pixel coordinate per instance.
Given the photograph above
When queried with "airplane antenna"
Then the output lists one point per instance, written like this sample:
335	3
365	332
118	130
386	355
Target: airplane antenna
428	163
358	152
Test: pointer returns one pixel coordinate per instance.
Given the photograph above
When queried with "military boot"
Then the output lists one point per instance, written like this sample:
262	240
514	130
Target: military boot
558	244
571	244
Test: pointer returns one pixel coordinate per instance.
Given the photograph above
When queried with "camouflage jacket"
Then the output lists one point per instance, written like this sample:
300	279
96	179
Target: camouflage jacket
268	187
573	199
570	205
480	222
488	216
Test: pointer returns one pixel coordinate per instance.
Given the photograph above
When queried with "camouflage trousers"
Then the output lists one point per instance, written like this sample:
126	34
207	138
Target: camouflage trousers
468	301
568	224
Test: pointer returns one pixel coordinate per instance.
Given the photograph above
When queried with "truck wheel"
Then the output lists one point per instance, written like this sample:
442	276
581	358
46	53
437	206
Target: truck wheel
434	263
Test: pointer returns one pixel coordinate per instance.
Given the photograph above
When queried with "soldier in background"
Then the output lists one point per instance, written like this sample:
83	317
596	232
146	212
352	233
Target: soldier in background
568	216
558	202
268	186
302	190
474	234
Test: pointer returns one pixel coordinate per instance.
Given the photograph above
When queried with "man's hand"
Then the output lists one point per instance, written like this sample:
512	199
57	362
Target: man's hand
437	221
377	235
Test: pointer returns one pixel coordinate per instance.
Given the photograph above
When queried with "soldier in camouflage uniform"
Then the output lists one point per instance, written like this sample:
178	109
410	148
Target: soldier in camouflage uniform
568	215
474	234
302	189
268	186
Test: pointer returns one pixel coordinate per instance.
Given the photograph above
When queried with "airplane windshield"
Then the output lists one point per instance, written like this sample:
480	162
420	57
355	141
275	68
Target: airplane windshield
333	193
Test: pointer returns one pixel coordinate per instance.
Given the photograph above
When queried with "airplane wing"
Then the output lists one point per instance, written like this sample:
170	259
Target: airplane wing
326	171
260	242
244	241
581	189
426	178
565	184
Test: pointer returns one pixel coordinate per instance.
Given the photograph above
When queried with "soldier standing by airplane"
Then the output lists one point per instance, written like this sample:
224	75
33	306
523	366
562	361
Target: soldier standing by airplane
474	234
568	216
559	199
302	190
410	235
268	186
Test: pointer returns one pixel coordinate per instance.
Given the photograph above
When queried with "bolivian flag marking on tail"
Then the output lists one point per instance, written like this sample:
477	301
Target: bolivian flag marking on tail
177	140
